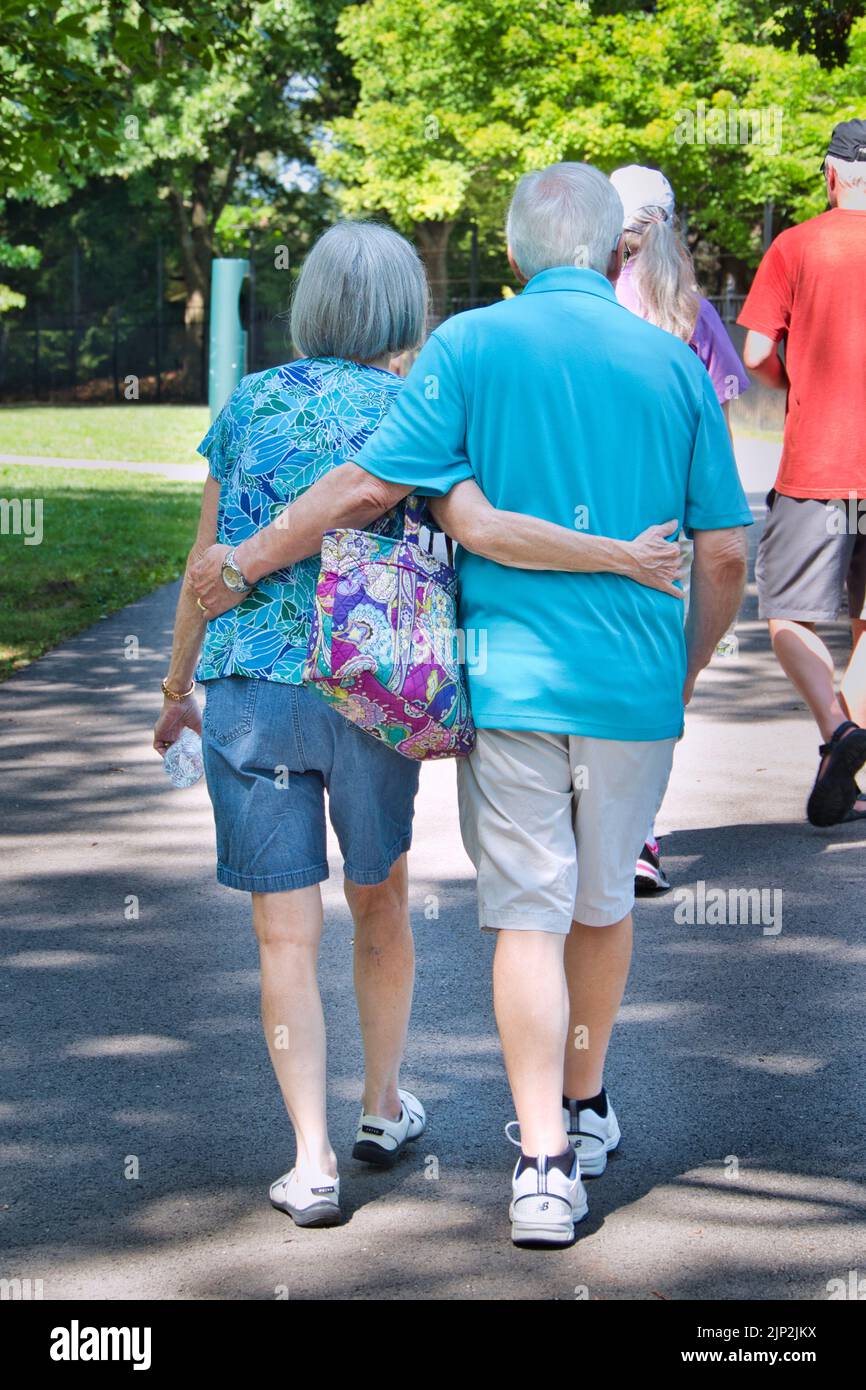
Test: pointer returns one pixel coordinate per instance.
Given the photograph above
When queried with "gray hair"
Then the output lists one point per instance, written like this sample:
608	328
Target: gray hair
566	214
663	271
851	173
362	292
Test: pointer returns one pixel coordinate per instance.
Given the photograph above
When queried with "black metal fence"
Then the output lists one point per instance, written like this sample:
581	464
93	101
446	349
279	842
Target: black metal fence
117	357
68	357
728	305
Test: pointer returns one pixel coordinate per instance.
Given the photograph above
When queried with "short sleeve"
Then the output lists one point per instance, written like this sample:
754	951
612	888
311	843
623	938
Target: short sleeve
713	346
221	444
715	499
422	441
767	308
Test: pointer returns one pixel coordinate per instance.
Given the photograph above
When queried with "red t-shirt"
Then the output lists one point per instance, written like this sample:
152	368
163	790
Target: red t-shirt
811	289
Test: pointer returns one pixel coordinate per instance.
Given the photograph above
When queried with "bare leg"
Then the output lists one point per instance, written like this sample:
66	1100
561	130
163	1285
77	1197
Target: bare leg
384	979
531	1002
288	927
853	687
597	962
809	666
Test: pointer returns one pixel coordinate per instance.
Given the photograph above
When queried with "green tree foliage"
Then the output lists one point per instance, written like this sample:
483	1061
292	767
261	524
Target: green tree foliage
66	74
433	136
126	121
822	27
189	105
240	126
456	100
67	70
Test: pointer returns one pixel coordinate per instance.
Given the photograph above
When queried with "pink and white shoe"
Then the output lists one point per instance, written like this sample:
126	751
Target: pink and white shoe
649	876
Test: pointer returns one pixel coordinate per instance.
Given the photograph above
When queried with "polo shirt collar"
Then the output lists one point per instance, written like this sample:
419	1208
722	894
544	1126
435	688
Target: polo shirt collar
571	277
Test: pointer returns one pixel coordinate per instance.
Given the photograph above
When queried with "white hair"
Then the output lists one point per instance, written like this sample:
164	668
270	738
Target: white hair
851	173
362	292
566	214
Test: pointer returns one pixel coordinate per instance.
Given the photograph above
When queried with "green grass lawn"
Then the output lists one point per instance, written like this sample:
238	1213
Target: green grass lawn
772	436
108	538
128	433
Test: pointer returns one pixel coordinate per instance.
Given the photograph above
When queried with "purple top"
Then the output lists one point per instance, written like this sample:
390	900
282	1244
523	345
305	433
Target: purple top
710	340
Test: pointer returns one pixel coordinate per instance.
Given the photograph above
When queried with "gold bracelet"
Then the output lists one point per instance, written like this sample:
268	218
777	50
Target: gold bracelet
173	695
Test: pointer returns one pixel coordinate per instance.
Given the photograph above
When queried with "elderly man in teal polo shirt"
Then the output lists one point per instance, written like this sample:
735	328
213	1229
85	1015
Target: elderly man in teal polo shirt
562	404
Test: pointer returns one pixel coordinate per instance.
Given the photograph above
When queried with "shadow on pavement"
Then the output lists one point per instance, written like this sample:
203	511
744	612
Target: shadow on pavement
140	1124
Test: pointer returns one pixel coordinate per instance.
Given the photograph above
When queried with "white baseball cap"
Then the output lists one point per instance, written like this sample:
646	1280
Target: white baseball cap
640	187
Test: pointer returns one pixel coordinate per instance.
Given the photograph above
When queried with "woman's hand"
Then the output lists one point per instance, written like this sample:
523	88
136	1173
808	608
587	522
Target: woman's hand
176	716
205	578
656	561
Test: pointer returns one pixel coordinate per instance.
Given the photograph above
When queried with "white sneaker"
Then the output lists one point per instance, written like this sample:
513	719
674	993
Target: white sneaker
591	1136
546	1204
380	1141
309	1202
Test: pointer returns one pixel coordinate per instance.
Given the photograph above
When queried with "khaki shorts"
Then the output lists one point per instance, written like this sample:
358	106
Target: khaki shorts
554	824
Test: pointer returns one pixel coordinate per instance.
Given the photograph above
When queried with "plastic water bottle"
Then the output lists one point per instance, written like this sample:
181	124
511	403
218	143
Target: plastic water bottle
183	761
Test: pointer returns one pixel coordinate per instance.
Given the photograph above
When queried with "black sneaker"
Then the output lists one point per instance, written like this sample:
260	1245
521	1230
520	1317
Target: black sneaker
649	876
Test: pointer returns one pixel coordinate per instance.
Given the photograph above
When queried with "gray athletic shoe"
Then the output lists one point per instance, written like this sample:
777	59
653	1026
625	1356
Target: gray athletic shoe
380	1141
313	1202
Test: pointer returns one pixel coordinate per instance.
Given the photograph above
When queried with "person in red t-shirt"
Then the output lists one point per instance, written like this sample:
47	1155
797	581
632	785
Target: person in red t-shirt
810	294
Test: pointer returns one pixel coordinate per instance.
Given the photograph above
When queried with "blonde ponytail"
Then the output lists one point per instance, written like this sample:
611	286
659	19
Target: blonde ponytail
664	275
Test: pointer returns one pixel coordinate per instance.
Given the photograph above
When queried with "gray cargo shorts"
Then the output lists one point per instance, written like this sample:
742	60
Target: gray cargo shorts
807	558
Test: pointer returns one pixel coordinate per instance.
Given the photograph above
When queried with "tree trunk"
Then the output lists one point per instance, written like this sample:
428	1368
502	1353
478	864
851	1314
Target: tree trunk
195	218
195	241
432	238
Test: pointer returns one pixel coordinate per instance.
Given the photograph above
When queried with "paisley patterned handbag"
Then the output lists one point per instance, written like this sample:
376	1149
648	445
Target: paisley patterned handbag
384	643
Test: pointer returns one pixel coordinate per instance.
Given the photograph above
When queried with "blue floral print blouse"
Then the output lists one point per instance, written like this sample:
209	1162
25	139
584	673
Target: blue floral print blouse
279	432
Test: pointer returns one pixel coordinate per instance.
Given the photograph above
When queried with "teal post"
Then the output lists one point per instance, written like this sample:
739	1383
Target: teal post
228	340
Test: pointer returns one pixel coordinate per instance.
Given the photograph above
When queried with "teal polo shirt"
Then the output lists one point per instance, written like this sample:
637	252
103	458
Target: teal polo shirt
562	403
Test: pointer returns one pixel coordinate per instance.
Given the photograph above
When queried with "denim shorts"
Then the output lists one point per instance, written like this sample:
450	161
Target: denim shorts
271	751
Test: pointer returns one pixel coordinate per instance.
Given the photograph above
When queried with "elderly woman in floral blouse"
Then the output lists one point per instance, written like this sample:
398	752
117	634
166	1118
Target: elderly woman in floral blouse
272	746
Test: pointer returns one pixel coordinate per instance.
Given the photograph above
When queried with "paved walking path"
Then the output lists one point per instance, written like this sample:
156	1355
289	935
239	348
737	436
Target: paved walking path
757	458
180	472
139	1122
